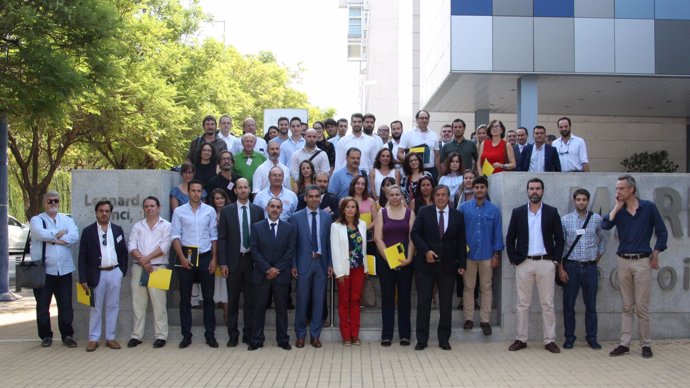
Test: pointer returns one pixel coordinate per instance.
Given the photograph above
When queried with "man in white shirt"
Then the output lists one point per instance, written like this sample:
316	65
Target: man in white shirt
368	127
149	244
276	190
571	149
424	137
357	139
292	144
52	236
225	127
194	226
309	152
341	132
260	179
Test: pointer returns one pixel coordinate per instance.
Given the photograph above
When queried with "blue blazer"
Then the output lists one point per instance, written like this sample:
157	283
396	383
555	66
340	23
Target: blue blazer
303	260
90	253
517	238
551	162
269	251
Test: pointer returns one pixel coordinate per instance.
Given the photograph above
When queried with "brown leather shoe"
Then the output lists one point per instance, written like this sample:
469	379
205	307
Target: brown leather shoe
91	346
299	343
552	347
517	345
112	344
315	342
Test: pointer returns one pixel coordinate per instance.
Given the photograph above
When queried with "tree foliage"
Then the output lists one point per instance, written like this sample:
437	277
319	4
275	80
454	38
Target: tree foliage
121	84
649	162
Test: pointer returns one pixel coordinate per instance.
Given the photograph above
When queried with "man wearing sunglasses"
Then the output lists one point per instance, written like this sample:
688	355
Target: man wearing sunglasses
102	265
52	237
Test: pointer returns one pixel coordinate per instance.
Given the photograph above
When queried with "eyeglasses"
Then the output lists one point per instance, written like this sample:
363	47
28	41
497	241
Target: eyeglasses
105	239
53	201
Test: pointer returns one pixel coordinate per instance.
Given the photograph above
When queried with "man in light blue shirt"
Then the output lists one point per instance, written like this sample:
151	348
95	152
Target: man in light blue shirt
342	177
194	226
276	190
485	242
52	236
293	143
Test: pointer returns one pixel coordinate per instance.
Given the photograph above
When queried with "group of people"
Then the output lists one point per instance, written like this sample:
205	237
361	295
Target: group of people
250	217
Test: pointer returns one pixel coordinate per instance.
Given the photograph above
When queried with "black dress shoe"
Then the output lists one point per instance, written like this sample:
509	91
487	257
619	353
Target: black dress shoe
186	341
285	346
211	341
46	342
446	347
647	352
420	346
253	347
619	351
404	342
386	343
159	343
133	343
232	342
245	340
468	325
517	345
69	342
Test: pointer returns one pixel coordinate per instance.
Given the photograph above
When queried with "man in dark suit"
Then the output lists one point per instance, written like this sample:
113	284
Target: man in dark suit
235	258
273	249
521	143
312	265
539	157
438	234
535	245
102	265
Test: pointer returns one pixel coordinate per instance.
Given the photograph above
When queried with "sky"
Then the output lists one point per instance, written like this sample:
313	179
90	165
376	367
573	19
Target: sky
313	32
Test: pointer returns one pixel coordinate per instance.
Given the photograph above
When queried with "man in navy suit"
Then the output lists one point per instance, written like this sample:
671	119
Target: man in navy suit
539	157
535	245
312	265
438	234
102	265
273	249
235	258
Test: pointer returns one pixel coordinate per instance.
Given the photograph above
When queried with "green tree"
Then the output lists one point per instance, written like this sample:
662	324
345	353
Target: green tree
58	57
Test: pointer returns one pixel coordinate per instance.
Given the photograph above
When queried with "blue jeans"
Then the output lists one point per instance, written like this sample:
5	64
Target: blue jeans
587	278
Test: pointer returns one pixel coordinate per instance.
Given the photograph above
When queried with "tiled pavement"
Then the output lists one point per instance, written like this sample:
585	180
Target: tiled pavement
468	364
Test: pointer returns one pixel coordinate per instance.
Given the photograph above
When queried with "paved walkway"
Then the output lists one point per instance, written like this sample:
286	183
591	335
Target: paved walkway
470	364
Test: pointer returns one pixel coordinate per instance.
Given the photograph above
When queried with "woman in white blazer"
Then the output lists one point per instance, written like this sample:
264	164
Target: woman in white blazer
349	256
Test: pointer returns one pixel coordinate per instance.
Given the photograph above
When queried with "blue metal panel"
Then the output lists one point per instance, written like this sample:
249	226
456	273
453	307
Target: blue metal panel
554	8
635	9
471	7
672	9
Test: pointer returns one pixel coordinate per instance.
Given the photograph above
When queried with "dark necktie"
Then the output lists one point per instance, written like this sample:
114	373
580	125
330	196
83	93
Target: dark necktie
273	229
245	228
314	238
441	225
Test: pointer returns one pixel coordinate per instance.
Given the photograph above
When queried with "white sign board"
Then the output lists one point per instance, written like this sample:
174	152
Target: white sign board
271	116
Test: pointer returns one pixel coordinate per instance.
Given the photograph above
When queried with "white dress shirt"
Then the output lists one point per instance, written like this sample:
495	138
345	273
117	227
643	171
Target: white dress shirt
536	238
195	228
249	223
108	253
147	240
59	260
572	154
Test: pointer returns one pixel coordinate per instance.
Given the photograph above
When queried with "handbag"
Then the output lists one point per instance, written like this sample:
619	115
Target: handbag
32	274
567	255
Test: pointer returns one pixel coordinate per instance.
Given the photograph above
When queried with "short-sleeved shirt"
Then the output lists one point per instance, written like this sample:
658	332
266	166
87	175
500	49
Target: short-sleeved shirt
416	138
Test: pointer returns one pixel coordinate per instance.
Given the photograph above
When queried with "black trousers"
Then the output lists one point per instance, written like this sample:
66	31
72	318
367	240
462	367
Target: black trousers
425	287
239	281
392	280
262	295
207	280
61	287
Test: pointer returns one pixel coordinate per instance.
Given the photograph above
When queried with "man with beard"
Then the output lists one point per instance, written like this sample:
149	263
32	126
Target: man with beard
283	129
572	150
331	128
225	179
323	144
463	147
357	139
368	128
209	136
394	143
535	245
260	178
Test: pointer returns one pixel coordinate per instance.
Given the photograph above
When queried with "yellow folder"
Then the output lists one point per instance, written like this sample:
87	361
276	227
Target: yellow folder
85	297
366	217
160	278
371	265
217	272
395	254
487	169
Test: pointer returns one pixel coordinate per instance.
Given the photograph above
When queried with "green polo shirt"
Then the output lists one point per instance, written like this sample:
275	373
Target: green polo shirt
466	149
246	165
